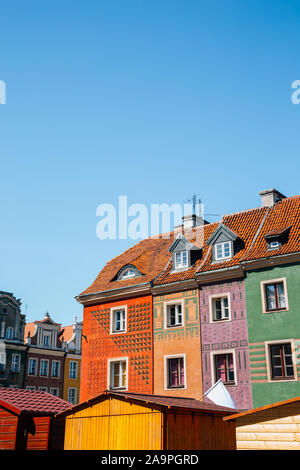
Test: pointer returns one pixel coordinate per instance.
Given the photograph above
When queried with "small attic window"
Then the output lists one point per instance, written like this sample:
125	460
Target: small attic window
223	250
181	259
127	272
274	245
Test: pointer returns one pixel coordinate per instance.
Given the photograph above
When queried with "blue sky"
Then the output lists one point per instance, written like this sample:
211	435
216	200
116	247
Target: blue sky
156	100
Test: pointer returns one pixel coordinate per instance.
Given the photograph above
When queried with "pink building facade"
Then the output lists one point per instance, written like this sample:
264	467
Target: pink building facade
224	339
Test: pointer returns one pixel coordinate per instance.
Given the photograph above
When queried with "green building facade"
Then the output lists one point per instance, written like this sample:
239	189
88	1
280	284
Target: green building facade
273	316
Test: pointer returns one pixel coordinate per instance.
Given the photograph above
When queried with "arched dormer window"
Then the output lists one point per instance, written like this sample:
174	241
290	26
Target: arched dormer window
127	272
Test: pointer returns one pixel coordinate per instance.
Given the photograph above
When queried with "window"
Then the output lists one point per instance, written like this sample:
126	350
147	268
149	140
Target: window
44	368
54	391
274	245
43	389
224	368
32	366
46	341
175	372
9	332
275	297
2	362
128	273
181	259
118	374
281	358
223	250
55	368
29	387
118	320
174	315
220	308
72	392
15	363
73	370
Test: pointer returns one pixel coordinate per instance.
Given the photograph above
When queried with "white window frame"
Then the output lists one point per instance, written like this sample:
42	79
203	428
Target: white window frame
43	389
168	304
49	336
223	257
263	285
58	374
109	362
124	274
181	265
3	361
51	390
36	366
76	370
75	399
268	360
30	387
112	315
212	299
41	361
222	352
9	329
19	362
166	371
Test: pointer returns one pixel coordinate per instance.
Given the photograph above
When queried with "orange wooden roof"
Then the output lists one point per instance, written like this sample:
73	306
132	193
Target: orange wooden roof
263	408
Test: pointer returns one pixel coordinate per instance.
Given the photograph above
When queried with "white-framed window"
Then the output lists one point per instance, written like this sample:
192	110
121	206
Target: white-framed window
274	245
72	394
223	250
15	362
181	259
46	340
9	332
54	391
174	313
55	369
73	368
128	273
118	373
219	305
281	360
175	371
118	319
30	387
44	368
13	386
274	295
2	361
32	366
43	389
224	367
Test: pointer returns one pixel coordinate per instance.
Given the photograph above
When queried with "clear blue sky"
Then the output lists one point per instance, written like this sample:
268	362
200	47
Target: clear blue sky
156	100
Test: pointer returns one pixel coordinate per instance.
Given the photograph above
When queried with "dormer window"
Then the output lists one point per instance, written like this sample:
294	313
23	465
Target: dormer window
274	245
127	272
181	259
223	250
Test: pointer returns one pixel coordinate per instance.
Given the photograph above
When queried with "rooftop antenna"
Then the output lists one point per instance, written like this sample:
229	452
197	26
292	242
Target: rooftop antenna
197	204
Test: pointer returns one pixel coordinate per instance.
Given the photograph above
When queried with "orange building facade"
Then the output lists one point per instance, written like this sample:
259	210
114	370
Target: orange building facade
177	349
117	360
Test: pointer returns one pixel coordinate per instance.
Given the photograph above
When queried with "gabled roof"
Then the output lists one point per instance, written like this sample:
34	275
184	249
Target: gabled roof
21	401
181	240
222	229
161	401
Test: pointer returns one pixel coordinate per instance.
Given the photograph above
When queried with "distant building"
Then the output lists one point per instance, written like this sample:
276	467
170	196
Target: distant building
45	357
71	336
12	347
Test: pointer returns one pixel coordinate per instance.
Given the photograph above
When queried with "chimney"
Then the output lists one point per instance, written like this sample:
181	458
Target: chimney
269	197
193	220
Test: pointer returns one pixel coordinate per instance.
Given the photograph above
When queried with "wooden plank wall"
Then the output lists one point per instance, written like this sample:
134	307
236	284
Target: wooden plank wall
8	430
199	432
114	425
277	428
39	441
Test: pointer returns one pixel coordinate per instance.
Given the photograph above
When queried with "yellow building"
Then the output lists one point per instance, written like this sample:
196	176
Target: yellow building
72	338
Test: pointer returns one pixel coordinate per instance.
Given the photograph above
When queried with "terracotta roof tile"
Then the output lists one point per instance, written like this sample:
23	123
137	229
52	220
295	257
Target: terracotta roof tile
31	401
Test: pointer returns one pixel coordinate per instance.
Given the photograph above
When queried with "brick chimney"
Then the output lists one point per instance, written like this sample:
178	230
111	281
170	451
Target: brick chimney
269	197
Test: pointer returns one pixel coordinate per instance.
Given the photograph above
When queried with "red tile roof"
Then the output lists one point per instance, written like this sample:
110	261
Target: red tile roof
31	401
151	256
159	400
67	333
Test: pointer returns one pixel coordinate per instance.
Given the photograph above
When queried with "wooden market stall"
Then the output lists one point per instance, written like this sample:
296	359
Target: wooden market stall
27	420
130	421
275	426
